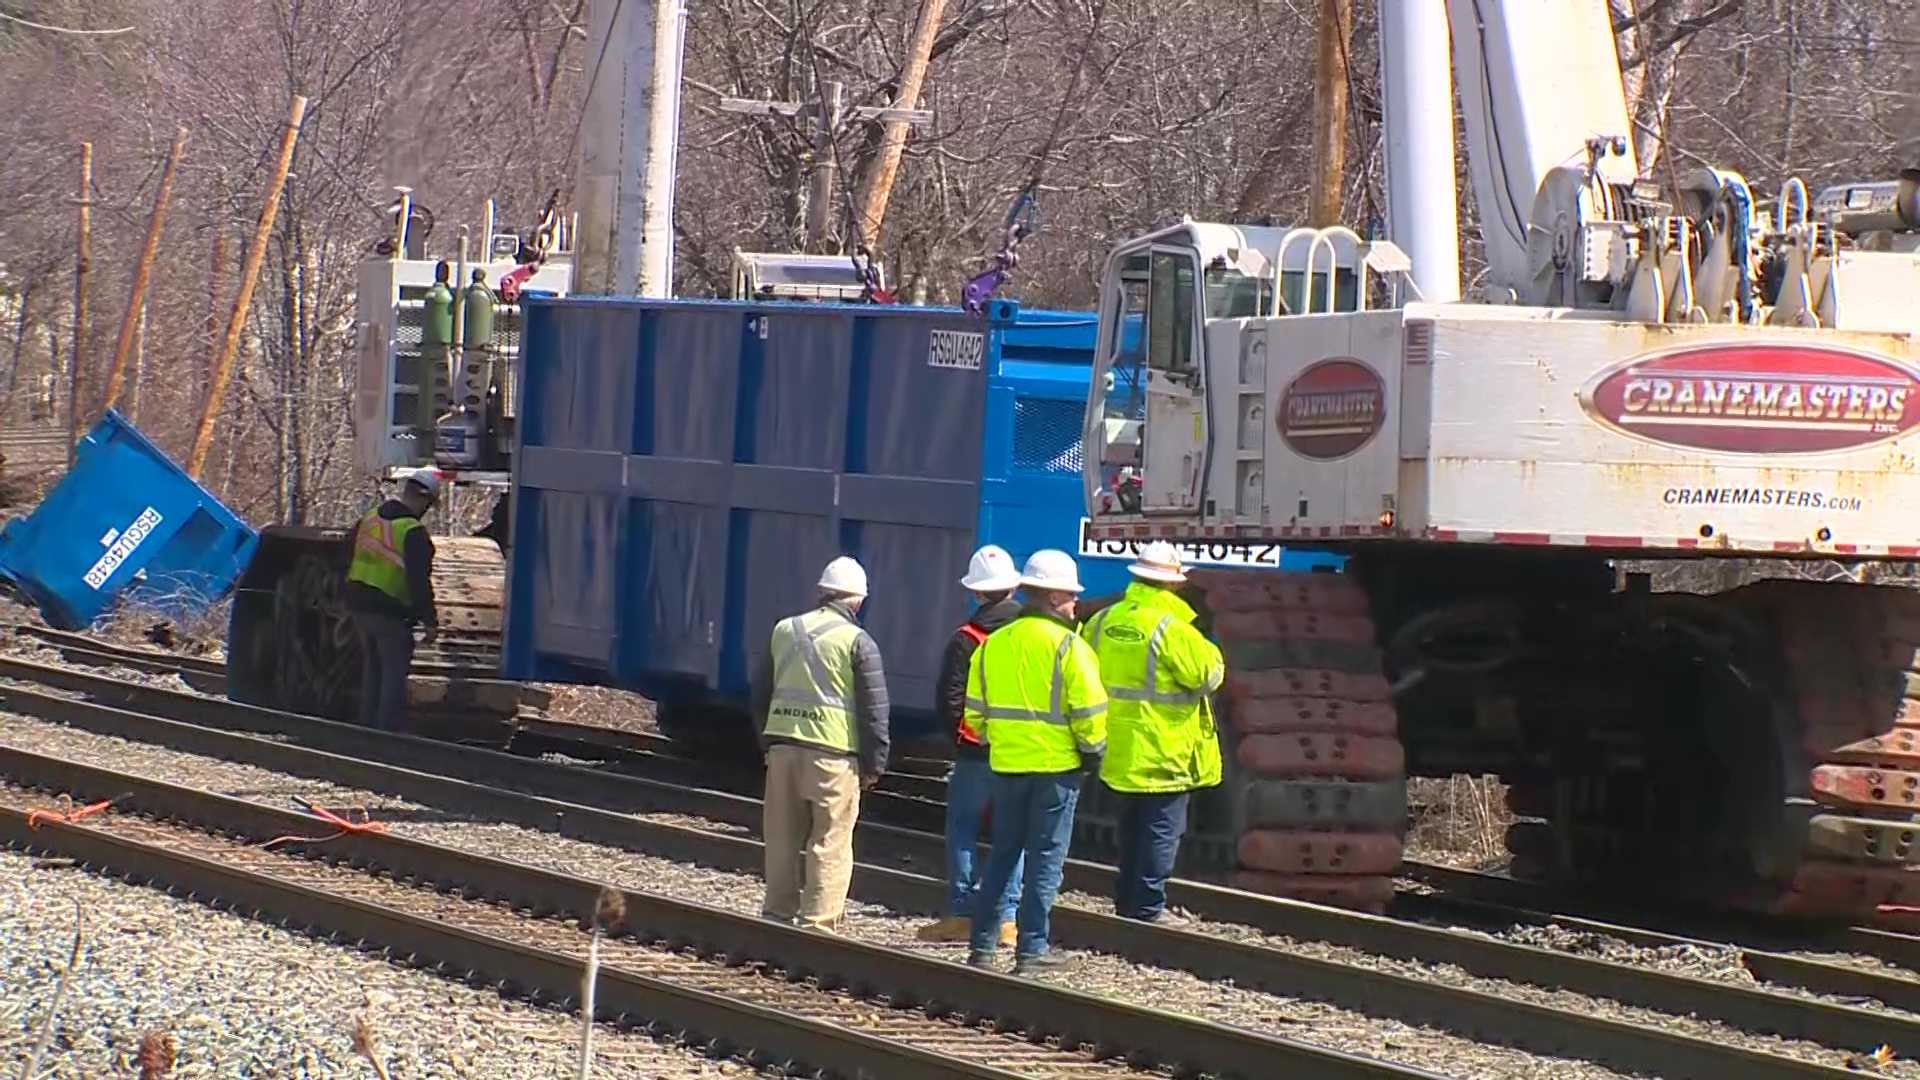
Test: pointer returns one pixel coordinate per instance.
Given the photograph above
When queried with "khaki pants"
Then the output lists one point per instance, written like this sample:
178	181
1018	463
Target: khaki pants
812	800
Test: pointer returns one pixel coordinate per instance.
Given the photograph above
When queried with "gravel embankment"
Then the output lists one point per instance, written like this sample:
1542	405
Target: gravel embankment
243	999
1312	1021
1101	974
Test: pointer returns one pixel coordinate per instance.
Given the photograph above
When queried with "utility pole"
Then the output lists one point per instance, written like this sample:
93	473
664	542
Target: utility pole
1330	113
249	276
82	267
629	138
1416	96
143	271
878	187
826	114
826	166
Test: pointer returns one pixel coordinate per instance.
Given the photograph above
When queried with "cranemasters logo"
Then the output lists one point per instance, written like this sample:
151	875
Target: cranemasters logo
1332	409
1762	398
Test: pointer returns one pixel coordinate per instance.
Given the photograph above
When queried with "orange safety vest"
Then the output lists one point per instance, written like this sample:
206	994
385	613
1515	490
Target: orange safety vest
979	637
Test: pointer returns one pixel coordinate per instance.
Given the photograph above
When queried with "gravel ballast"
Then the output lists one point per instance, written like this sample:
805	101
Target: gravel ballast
1112	976
246	1000
1310	1021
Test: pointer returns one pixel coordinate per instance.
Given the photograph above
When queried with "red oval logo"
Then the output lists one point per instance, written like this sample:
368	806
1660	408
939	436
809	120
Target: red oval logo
1762	398
1332	409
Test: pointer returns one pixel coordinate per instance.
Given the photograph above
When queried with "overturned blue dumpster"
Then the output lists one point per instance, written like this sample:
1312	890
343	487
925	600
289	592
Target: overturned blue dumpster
125	524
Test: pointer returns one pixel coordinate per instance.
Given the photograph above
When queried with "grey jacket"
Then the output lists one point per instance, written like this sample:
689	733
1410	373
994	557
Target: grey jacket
869	698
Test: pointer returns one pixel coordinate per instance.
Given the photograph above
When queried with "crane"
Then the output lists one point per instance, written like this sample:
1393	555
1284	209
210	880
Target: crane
1657	376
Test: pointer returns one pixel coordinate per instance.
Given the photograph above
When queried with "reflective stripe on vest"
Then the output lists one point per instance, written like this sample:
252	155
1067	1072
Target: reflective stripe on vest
1149	693
1054	714
379	559
813	680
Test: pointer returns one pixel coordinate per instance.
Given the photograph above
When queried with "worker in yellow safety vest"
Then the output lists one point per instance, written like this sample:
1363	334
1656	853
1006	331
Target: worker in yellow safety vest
822	698
1034	698
390	592
1162	743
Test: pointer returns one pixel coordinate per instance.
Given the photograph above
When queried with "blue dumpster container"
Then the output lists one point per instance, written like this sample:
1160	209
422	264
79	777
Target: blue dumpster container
125	522
683	469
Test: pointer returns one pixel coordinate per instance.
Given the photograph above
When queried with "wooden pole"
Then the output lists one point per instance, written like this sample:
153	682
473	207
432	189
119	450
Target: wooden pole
1330	113
82	266
893	142
142	273
216	281
826	166
249	276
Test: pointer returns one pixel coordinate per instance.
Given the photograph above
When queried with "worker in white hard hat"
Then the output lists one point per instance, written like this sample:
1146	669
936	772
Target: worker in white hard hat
1162	744
389	594
991	578
1034	697
821	697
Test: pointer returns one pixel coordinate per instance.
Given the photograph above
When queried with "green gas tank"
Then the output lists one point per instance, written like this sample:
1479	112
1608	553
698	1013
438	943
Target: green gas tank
477	313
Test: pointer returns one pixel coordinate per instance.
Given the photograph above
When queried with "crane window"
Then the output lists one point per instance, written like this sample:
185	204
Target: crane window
1170	312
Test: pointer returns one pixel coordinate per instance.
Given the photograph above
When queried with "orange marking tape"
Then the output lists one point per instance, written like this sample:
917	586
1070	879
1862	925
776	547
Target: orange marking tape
68	816
343	825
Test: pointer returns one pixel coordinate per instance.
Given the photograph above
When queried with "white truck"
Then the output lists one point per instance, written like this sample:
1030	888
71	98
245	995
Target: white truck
1653	374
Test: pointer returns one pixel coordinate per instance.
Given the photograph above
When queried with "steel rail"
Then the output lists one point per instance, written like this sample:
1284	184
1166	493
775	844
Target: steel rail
651	754
202	669
640	753
1468	890
519	967
1142	1035
1473	897
1537	1028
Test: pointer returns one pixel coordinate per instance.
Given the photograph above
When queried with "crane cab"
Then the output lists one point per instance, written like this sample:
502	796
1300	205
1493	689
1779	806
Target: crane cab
1174	383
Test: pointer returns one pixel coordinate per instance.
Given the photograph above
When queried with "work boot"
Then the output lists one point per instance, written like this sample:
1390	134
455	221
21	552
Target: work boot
1172	919
981	960
950	929
1009	935
1039	964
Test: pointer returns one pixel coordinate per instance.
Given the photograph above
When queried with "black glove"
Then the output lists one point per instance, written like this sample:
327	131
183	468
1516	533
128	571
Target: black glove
1090	762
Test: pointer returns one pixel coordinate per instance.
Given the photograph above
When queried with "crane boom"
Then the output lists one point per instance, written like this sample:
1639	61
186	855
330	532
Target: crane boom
1539	79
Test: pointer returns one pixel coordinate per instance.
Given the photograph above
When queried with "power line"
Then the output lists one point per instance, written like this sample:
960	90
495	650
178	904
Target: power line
64	29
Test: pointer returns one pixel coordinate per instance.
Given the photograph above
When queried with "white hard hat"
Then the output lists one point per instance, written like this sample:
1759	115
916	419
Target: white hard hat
1052	570
844	576
991	570
1159	561
428	479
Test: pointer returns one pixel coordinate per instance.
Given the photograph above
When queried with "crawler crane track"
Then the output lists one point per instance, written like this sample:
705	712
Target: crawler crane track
1314	802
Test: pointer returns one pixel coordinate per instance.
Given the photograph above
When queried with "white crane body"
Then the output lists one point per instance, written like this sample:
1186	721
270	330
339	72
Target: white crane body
1657	370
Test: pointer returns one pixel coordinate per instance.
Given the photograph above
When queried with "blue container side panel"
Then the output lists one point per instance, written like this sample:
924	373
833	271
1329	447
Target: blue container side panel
764	440
684	470
124	522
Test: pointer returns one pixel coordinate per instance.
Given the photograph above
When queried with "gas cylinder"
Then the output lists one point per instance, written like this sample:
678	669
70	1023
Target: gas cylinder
456	439
477	313
436	338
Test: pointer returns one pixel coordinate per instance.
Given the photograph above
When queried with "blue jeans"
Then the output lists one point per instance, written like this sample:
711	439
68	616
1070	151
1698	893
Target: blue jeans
1150	831
1032	817
969	792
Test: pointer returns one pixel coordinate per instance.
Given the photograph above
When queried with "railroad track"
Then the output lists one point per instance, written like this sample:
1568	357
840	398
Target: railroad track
1477	898
1466	896
913	802
790	995
642	753
592	806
